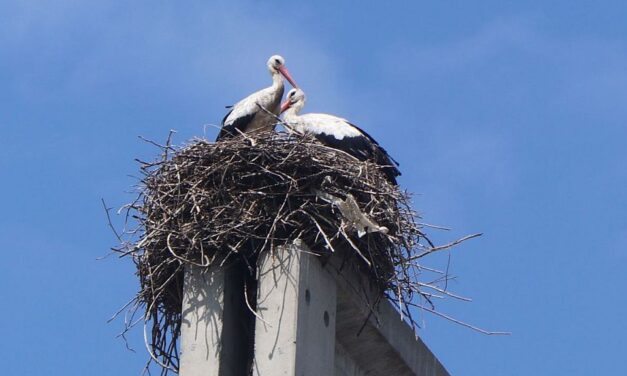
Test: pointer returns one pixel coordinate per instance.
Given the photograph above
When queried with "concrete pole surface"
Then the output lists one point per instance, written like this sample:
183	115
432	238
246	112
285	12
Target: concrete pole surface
311	320
215	333
373	341
295	330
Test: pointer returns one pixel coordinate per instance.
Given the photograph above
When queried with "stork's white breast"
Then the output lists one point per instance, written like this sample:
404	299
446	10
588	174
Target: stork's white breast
249	106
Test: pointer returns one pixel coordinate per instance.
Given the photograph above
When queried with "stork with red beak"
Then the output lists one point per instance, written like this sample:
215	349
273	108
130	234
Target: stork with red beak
337	133
248	115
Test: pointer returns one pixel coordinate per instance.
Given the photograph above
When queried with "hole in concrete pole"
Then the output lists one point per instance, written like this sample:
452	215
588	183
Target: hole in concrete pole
307	296
326	318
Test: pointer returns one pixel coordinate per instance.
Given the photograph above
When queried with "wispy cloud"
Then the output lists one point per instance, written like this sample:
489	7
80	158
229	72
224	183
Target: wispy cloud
465	53
576	73
113	48
507	80
471	158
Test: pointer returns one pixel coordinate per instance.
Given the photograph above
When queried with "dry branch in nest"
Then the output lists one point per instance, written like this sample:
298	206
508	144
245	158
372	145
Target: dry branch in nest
215	203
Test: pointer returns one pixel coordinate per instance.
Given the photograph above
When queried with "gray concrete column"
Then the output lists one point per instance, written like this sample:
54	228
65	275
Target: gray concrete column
295	330
216	330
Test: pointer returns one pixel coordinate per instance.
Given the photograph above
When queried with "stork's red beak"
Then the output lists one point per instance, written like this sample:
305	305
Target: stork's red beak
285	106
287	75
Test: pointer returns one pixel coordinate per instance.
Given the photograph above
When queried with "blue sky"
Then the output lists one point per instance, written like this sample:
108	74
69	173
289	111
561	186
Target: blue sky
508	118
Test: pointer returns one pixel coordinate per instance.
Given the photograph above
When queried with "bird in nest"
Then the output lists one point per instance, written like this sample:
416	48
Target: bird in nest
337	133
259	110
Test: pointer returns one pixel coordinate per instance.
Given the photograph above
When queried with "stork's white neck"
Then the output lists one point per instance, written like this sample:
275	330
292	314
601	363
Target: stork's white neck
292	112
277	79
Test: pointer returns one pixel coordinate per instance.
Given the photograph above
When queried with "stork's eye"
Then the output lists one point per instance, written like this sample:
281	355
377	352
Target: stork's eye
277	61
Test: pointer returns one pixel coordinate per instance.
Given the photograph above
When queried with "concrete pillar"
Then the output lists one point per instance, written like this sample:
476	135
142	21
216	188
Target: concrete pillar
295	330
374	342
216	330
311	320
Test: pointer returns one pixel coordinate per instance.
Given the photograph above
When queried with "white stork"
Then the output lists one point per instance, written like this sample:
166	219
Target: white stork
337	133
247	116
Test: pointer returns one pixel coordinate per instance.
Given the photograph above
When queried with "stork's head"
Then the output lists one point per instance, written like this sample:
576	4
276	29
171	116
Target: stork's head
295	98
276	64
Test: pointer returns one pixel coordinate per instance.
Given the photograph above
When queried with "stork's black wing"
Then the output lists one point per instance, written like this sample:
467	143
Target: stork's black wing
381	157
364	148
391	160
238	125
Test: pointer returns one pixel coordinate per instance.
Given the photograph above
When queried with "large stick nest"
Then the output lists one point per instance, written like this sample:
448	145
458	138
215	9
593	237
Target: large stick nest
216	203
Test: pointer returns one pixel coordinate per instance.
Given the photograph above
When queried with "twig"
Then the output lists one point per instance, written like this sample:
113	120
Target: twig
442	247
456	321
